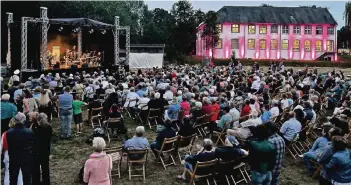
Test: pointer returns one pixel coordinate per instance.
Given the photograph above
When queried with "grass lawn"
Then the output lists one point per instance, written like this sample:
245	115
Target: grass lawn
68	156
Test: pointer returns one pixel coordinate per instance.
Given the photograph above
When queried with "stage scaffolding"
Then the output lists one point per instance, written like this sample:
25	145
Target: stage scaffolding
45	24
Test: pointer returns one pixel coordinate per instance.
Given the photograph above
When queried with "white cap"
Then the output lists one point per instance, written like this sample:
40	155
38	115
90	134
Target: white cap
16	72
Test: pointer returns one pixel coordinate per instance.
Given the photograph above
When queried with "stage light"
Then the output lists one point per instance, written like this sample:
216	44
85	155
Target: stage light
60	29
75	30
103	32
91	31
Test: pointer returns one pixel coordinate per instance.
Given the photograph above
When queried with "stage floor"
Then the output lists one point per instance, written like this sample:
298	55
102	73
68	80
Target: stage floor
64	66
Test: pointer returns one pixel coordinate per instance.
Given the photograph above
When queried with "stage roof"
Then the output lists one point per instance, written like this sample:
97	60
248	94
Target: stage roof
81	22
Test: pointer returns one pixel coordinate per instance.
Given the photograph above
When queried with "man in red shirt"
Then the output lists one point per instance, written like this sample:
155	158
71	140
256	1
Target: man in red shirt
246	109
207	108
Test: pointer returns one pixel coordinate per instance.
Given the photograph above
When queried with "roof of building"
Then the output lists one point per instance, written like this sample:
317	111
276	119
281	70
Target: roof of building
276	15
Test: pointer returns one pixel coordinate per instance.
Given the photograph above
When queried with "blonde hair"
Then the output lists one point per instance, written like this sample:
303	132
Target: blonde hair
44	98
98	144
12	123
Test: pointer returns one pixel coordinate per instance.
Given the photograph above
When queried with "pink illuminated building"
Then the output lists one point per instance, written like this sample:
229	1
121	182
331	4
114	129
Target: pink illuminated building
292	33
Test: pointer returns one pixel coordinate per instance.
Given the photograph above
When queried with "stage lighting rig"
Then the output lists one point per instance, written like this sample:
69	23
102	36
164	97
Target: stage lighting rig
60	28
91	31
103	32
75	30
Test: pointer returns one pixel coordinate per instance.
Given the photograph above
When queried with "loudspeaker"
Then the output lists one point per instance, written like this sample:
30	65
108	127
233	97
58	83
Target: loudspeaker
74	66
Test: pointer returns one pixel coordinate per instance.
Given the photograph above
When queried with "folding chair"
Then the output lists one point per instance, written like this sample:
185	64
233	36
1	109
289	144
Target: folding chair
102	97
152	116
141	112
206	123
111	123
220	135
168	147
242	171
128	108
228	169
292	149
317	170
95	121
185	143
116	155
198	126
94	112
142	161
203	170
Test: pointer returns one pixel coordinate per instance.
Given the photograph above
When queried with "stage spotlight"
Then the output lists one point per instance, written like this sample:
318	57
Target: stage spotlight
91	31
75	30
103	32
60	29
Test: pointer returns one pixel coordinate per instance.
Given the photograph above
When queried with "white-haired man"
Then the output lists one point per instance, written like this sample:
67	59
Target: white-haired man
244	132
20	145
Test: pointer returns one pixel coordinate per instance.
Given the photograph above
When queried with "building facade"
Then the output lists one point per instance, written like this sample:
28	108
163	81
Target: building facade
292	33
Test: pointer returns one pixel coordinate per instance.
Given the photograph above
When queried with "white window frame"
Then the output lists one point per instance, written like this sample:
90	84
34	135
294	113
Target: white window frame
319	28
297	30
308	30
285	29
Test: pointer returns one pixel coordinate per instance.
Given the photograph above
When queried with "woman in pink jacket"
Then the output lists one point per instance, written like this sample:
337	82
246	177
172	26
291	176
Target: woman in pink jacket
98	167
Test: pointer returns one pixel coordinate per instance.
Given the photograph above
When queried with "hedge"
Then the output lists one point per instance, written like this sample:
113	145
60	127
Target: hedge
296	63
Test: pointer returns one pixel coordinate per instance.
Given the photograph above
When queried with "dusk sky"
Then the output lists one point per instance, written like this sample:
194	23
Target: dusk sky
336	8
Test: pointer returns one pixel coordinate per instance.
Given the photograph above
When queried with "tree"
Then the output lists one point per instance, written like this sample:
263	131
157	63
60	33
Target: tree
210	32
266	5
344	37
182	34
347	14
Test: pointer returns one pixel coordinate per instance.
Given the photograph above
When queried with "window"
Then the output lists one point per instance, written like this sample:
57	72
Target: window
274	44
296	45
285	29
274	28
263	29
307	45
219	28
235	44
251	44
330	31
296	29
219	44
235	28
318	45
319	30
285	44
330	45
308	30
252	29
262	44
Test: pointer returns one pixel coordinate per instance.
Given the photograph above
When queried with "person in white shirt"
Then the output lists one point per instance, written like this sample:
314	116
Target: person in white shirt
132	95
234	113
142	103
274	110
168	96
285	102
256	83
244	132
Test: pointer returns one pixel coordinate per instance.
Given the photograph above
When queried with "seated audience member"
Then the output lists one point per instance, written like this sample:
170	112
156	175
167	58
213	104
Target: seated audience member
185	106
339	167
224	119
156	103
231	150
244	131
207	108
186	128
215	109
341	122
307	109
344	109
173	110
266	116
137	142
115	113
97	168
234	113
274	110
96	103
261	157
164	131
246	109
197	112
290	128
316	149
206	154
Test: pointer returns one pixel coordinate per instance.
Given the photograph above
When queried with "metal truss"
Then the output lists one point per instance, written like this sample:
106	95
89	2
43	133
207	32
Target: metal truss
80	35
44	36
116	40
9	21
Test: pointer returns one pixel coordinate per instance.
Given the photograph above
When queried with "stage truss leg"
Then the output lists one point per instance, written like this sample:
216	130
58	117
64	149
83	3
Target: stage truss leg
80	37
44	36
24	43
116	40
9	22
127	44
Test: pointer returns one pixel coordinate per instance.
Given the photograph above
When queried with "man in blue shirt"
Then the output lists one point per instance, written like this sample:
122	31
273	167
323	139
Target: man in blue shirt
290	128
66	112
138	142
18	92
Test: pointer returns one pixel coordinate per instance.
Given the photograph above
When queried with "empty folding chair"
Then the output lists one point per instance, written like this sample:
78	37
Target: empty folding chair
116	155
111	124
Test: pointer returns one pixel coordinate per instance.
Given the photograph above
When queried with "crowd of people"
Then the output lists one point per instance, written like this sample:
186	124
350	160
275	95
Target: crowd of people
261	113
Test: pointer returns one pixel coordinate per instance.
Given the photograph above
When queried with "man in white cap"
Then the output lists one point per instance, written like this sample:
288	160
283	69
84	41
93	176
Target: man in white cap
20	143
14	77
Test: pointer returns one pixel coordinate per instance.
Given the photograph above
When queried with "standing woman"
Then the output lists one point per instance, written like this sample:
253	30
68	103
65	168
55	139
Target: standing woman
4	147
29	103
44	104
41	150
97	169
8	111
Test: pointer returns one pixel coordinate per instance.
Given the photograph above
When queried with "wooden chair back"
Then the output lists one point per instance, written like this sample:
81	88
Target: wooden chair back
186	141
205	168
154	113
169	144
141	152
